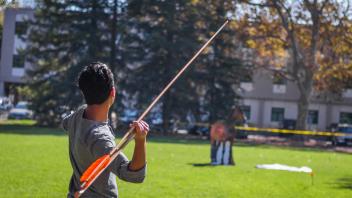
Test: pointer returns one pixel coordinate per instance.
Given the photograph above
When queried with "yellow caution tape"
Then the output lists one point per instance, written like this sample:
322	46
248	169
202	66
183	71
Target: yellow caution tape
299	132
273	130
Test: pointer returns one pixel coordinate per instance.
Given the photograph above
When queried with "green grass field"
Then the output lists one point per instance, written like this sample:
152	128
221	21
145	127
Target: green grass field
34	163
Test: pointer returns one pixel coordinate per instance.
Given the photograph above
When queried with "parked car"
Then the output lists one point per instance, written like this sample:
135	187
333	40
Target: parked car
241	134
155	118
201	129
289	124
155	121
128	116
21	111
347	138
5	104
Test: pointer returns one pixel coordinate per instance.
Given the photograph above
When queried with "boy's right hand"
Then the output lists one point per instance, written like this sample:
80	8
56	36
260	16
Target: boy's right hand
141	129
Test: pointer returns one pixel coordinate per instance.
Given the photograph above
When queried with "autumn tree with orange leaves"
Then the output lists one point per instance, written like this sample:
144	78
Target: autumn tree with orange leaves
308	41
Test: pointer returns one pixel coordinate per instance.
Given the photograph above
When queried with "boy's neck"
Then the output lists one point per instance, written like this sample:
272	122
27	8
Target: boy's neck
97	113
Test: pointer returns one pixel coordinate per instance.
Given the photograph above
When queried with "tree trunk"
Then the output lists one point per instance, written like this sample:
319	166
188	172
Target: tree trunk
113	49
212	116
305	85
166	108
303	106
166	112
113	32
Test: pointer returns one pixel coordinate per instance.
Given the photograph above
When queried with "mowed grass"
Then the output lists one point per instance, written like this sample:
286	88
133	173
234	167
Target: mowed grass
34	162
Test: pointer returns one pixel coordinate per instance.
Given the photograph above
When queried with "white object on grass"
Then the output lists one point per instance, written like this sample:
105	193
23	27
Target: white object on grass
303	169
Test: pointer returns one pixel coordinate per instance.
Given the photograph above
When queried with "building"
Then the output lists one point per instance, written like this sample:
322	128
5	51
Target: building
267	101
12	58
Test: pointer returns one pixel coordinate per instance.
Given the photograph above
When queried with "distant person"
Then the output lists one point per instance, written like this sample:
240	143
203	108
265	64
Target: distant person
91	137
222	137
221	144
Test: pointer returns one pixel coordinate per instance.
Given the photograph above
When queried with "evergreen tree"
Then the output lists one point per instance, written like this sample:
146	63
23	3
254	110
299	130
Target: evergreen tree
221	70
163	36
161	39
65	36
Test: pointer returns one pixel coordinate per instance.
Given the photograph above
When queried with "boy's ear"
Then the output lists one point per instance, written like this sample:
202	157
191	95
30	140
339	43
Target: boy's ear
113	92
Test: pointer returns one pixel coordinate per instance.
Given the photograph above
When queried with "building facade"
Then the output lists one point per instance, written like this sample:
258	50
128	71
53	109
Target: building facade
267	101
13	58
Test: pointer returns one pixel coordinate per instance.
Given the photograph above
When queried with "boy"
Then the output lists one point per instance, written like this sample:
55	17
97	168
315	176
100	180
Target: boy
90	136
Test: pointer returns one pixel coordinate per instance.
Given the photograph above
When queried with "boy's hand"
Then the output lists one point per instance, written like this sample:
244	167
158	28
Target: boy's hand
138	161
141	129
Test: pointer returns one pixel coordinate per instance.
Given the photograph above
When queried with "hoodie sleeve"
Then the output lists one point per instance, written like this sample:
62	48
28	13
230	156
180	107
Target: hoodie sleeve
122	170
101	144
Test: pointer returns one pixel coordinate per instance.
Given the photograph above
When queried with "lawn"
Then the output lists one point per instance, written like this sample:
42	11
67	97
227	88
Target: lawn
34	163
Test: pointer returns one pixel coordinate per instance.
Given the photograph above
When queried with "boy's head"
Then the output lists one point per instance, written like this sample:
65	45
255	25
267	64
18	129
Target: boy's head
96	82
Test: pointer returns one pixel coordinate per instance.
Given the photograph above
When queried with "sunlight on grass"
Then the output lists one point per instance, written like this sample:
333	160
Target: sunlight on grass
38	166
18	122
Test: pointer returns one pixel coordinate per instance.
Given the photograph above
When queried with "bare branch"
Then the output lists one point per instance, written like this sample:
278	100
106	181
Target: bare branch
258	4
291	35
283	73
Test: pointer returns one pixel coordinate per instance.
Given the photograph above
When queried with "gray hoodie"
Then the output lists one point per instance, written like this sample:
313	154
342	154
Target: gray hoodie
89	140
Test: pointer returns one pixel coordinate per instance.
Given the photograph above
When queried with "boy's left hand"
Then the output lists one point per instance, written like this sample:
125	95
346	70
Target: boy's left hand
141	129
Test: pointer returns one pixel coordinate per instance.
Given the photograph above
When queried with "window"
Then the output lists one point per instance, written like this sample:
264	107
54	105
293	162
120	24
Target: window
18	60
246	83
313	117
21	28
348	90
246	111
279	79
277	114
346	117
279	83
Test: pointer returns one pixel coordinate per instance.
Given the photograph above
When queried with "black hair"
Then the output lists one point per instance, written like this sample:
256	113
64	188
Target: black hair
96	81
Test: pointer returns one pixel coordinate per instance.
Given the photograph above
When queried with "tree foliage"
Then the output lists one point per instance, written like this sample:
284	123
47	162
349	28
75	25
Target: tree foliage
64	36
309	41
146	43
221	69
163	36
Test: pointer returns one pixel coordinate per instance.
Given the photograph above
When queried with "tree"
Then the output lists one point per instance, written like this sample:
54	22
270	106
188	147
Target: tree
65	36
163	36
160	40
221	68
300	39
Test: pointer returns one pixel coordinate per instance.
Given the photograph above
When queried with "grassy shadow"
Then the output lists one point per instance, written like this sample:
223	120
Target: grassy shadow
343	183
201	164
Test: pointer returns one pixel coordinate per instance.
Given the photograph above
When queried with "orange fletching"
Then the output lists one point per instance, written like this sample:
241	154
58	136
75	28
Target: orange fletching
94	168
